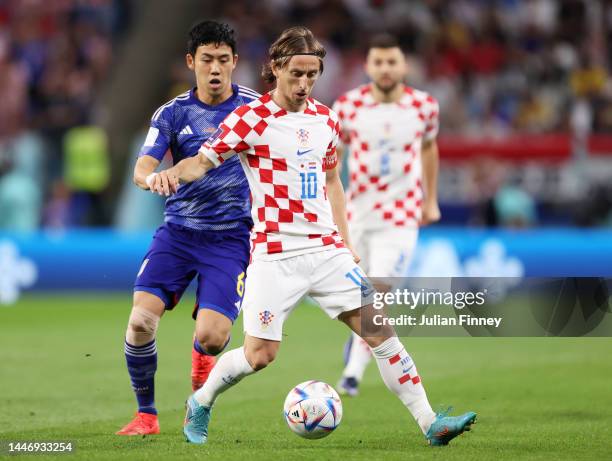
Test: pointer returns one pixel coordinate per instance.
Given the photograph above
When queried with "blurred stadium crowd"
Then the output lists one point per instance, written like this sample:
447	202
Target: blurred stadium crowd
500	69
54	56
496	67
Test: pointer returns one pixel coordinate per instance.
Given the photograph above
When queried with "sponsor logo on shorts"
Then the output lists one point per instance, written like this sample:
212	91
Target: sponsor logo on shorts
266	318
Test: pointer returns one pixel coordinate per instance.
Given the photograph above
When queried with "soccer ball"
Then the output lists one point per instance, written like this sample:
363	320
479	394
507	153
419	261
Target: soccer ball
313	409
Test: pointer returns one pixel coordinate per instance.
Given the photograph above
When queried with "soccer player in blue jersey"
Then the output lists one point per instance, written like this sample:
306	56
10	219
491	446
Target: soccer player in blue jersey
206	228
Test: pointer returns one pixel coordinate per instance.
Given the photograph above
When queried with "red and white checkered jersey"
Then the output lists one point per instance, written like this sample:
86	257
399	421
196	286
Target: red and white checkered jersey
384	141
285	156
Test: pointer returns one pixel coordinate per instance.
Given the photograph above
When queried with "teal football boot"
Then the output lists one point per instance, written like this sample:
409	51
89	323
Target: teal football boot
445	428
197	418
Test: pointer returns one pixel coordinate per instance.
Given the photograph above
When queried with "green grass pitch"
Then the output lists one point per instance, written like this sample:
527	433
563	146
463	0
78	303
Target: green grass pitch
63	377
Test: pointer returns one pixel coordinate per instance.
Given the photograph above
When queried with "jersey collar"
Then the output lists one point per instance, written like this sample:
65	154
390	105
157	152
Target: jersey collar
369	101
228	101
310	108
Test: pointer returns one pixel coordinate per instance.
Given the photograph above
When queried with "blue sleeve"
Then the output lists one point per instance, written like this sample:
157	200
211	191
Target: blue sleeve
158	138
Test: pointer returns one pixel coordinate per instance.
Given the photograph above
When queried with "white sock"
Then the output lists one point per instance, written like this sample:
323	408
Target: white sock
399	373
229	370
358	359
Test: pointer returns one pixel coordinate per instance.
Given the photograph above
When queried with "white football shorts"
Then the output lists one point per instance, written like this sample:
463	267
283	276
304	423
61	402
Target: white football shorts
273	289
385	252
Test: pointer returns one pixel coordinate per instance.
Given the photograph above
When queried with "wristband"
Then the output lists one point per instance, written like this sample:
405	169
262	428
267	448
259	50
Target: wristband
150	179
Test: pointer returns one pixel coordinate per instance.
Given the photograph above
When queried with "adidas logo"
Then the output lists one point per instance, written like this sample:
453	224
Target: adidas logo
186	130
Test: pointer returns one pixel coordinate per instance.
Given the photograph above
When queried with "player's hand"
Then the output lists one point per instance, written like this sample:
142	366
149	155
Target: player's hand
431	213
165	182
356	257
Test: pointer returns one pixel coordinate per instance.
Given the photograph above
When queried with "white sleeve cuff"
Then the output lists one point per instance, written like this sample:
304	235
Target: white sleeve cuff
211	155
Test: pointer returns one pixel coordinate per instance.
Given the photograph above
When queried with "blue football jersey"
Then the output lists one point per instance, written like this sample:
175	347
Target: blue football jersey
220	200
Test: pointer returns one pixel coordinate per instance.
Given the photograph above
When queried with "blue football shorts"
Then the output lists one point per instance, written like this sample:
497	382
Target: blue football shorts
177	255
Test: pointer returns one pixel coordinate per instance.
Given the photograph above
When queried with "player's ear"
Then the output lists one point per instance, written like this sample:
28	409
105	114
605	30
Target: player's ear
190	61
275	69
235	59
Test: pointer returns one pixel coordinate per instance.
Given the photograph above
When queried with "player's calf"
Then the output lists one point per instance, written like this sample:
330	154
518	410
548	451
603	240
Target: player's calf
201	366
229	371
396	367
233	366
212	334
202	362
141	360
260	352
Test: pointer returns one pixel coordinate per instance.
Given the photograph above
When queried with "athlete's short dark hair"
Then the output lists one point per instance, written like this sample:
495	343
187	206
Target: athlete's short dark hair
383	40
207	32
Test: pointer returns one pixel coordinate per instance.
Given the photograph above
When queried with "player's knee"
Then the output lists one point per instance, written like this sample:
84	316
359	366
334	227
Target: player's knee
143	321
142	326
212	342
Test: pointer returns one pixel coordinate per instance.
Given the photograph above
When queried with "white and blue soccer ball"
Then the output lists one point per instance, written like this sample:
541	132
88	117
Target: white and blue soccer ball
313	409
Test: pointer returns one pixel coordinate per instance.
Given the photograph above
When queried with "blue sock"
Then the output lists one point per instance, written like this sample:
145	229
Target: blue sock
142	364
198	348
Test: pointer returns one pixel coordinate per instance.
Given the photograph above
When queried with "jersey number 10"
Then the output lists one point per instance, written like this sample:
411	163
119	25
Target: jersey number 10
309	185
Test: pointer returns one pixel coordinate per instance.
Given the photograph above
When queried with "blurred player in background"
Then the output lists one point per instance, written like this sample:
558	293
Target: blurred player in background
287	146
206	229
390	130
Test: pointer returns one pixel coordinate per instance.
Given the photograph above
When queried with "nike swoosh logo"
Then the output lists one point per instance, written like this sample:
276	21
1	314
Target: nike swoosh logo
303	152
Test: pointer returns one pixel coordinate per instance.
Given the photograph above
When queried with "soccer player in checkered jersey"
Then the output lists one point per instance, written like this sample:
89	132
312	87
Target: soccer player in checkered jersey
390	130
207	224
286	142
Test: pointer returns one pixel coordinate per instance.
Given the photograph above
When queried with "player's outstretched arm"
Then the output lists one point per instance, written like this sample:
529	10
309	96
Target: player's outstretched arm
145	166
193	168
187	170
340	149
430	159
335	195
